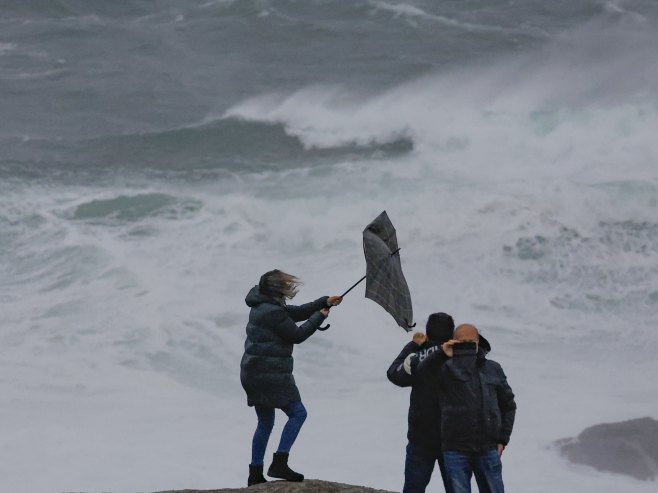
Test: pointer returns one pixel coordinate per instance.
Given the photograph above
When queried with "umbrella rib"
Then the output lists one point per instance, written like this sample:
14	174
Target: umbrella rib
363	278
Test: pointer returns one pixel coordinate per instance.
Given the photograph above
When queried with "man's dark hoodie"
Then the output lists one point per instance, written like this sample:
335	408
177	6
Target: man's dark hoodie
267	363
424	411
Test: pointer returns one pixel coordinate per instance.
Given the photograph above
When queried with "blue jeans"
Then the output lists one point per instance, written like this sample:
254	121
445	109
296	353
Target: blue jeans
296	413
418	467
486	466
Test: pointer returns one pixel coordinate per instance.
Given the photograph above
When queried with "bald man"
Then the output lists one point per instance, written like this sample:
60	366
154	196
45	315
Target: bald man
477	411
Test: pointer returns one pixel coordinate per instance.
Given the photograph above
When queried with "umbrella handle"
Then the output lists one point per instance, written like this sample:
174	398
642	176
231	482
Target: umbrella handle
353	286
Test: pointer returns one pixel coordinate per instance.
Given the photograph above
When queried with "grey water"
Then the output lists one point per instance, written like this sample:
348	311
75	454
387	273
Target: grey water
157	156
91	87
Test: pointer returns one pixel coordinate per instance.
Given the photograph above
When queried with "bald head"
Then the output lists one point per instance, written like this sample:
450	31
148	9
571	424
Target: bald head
466	333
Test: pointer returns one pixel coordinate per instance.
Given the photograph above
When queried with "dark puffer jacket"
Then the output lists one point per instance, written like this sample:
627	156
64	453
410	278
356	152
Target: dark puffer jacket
477	403
267	363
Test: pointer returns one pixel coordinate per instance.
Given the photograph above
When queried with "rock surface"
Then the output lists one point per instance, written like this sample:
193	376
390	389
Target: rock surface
307	486
627	447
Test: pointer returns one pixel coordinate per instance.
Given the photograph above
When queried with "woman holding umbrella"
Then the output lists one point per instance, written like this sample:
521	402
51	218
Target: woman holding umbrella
267	363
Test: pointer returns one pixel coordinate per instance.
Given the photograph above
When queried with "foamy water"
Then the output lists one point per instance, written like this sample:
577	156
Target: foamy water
522	184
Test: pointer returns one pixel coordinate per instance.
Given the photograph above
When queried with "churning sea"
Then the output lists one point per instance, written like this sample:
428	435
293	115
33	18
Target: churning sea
157	156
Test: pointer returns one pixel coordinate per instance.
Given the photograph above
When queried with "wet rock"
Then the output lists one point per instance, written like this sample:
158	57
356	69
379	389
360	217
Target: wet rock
627	447
307	486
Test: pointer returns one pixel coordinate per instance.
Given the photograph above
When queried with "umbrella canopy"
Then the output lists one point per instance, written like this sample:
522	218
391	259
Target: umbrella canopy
385	282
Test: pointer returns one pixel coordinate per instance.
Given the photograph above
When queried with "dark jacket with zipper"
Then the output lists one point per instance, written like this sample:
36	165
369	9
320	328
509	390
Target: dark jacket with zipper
477	404
424	418
267	363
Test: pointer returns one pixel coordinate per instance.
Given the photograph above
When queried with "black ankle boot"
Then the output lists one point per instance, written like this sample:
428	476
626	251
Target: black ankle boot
279	469
256	475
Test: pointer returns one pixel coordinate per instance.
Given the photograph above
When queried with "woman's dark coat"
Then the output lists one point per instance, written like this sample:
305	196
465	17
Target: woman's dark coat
267	363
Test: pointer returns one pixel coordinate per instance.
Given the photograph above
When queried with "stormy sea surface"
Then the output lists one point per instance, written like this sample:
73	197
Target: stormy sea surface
157	156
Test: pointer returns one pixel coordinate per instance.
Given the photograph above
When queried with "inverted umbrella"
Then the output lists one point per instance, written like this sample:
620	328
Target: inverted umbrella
385	282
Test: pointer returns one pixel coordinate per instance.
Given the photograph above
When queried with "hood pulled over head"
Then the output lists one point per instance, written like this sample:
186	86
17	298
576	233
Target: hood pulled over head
440	327
255	297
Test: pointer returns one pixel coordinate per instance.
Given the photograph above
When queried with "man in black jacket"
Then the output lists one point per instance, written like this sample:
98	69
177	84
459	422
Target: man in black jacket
477	411
424	447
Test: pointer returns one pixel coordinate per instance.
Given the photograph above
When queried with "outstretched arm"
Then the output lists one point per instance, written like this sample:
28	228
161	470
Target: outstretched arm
285	327
303	312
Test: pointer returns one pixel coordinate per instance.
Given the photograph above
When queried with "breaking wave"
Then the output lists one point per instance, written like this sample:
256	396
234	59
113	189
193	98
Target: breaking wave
521	180
545	113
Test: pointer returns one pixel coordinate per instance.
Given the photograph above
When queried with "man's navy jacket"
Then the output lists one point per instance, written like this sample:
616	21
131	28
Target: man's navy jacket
477	404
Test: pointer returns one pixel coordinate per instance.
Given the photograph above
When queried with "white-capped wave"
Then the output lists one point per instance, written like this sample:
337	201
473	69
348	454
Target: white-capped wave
407	11
7	48
528	207
570	107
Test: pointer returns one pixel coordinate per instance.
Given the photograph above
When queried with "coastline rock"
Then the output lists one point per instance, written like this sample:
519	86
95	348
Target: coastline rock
627	447
307	486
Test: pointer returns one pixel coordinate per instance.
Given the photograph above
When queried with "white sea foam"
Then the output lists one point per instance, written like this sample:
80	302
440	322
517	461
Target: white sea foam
156	295
527	207
412	12
7	48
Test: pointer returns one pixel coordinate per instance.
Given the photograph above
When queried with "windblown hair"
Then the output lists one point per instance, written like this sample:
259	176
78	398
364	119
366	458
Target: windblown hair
279	285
